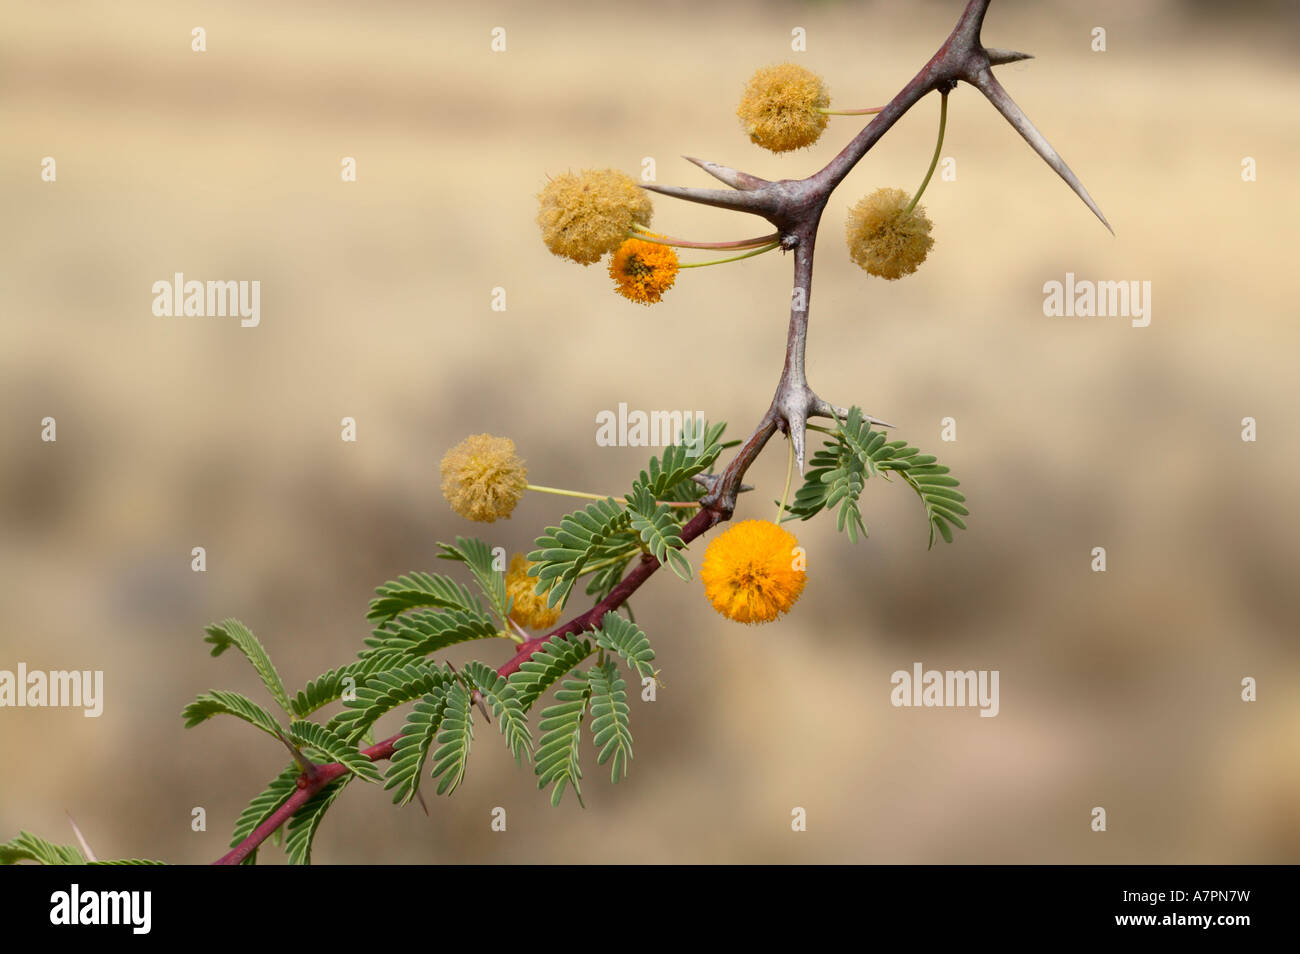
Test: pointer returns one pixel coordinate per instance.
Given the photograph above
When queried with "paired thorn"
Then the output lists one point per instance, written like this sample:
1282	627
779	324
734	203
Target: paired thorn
823	409
987	84
796	429
793	421
709	481
999	57
477	698
742	201
309	768
732	177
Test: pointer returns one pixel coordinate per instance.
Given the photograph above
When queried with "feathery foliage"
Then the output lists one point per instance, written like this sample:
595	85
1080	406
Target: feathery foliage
582	537
503	699
854	453
561	727
333	685
557	656
423	632
412	748
385	691
695	453
320	742
29	847
624	637
418	589
231	632
225	702
609	718
455	734
657	526
477	555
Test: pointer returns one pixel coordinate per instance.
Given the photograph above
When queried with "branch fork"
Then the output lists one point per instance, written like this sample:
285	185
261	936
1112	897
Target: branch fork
795	207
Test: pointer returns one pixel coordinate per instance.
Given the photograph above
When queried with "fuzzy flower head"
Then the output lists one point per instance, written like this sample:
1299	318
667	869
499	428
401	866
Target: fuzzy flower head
884	238
529	610
586	215
643	271
750	573
483	478
780	107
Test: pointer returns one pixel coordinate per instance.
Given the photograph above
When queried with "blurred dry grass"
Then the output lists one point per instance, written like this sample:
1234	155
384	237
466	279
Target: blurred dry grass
1118	690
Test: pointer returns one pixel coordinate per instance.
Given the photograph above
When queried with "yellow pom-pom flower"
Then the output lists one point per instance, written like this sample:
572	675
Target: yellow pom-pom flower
483	478
586	215
528	610
643	271
885	238
780	108
750	573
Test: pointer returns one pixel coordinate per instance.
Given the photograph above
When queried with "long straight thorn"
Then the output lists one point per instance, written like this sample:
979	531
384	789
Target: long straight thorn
741	201
987	84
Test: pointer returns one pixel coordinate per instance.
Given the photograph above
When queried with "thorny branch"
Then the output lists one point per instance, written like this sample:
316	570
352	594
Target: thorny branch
795	207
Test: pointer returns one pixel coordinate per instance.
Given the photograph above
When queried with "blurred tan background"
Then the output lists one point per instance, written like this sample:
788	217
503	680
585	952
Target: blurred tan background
1119	690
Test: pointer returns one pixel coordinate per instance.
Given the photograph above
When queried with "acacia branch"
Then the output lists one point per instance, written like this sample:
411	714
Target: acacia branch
795	207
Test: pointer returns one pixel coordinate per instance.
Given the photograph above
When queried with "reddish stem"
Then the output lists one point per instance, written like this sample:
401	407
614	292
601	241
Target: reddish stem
323	775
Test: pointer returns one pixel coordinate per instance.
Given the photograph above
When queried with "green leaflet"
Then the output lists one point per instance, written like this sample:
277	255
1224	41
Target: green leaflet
454	737
417	589
477	555
559	655
322	744
384	691
29	847
610	728
694	454
224	702
332	685
617	634
126	861
657	526
503	699
411	750
584	536
839	470
418	634
231	632
605	536
943	505
561	727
